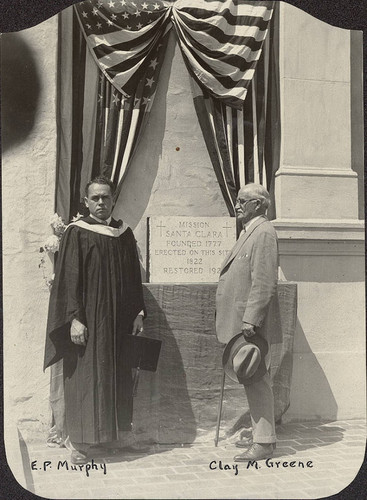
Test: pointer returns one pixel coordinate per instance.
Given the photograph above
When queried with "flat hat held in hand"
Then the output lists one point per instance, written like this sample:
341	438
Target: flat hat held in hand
244	359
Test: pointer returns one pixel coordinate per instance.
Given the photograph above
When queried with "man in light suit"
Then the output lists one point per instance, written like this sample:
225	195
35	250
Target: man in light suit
247	283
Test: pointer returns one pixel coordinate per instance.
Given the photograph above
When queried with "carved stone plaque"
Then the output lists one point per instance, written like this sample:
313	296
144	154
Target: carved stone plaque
188	249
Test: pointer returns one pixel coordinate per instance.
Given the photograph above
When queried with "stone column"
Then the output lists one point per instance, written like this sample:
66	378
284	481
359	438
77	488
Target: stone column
315	179
316	198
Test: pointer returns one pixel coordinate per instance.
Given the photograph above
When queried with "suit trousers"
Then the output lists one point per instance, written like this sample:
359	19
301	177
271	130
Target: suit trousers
261	404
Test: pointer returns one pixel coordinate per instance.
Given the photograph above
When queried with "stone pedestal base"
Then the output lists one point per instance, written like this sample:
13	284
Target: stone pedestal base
179	403
326	259
302	193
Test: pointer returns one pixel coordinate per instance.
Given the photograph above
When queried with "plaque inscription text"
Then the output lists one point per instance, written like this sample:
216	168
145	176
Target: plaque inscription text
188	249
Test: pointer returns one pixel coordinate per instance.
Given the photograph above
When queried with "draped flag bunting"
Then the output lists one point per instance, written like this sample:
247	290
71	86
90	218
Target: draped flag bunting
117	54
236	138
221	42
101	125
123	36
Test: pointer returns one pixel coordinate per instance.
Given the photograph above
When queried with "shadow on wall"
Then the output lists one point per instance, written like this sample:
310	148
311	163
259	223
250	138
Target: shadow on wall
162	408
20	89
137	186
281	323
311	393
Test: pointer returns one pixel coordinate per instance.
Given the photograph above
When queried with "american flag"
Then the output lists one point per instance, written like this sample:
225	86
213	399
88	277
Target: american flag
221	42
242	142
123	36
101	124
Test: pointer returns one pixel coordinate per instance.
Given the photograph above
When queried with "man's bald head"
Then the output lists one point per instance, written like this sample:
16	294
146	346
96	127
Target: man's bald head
256	192
252	200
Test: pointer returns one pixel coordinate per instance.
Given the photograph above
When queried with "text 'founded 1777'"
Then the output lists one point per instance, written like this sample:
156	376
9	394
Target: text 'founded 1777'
188	249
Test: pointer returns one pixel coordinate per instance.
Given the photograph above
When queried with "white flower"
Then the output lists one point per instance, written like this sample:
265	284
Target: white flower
58	224
52	244
55	218
49	281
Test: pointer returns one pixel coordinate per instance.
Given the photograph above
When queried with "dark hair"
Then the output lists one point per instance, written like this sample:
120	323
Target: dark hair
101	179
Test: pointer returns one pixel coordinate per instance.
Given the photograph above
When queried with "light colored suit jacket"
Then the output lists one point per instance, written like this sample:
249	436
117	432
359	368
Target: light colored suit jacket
248	281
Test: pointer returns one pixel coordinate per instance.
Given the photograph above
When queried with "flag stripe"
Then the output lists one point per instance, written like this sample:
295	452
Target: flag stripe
126	124
118	143
229	135
233	19
233	119
222	174
219	84
98	142
235	7
241	147
260	111
222	46
65	90
78	78
241	62
248	138
111	135
249	36
89	119
222	64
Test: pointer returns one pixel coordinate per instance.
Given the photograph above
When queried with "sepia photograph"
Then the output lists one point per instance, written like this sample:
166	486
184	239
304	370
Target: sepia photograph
183	247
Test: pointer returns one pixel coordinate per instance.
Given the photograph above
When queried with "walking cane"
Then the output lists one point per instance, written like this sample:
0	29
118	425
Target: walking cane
136	379
219	410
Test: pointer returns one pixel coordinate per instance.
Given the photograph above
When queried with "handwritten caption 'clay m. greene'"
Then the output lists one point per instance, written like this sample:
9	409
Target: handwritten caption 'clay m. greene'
188	249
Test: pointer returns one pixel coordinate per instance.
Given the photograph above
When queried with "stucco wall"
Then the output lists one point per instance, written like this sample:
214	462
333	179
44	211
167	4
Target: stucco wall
28	180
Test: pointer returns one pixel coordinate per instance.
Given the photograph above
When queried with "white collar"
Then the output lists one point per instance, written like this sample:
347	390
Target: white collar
101	228
100	220
249	224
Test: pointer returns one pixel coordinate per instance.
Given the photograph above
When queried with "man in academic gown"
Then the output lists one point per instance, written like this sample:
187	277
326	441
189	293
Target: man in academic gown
247	284
96	301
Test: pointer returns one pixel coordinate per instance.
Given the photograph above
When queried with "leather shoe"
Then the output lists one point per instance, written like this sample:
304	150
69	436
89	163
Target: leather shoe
132	448
257	451
246	443
243	443
78	458
137	448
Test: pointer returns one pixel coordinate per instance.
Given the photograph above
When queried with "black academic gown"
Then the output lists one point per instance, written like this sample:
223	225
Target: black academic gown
98	282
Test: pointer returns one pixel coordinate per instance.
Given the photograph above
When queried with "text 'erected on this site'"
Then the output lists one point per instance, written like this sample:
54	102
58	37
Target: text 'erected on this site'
188	249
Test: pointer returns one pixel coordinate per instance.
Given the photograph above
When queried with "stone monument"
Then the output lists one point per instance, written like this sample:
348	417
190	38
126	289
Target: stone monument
188	249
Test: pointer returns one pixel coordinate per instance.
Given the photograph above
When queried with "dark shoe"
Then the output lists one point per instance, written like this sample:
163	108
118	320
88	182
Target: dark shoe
131	448
243	443
257	451
137	448
78	458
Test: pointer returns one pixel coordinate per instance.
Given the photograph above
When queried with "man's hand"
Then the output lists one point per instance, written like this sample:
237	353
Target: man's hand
138	325
248	330
78	333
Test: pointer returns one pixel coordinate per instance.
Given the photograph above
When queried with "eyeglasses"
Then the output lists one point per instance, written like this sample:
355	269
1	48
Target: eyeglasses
243	202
